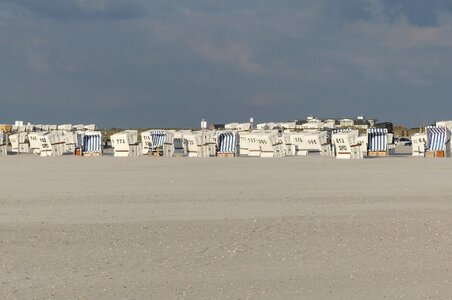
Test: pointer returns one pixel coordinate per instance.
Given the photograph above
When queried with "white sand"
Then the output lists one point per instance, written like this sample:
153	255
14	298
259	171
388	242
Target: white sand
290	228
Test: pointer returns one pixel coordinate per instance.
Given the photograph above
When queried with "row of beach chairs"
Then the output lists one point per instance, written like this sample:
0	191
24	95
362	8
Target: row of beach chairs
343	144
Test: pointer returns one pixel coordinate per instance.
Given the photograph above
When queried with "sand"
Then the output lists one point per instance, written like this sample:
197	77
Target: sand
247	228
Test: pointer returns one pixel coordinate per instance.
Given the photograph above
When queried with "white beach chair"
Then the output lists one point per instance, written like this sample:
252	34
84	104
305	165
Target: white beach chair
200	143
126	144
195	144
47	143
311	142
35	143
250	146
347	145
289	147
146	142
363	141
21	144
419	144
264	144
3	144
180	143
243	144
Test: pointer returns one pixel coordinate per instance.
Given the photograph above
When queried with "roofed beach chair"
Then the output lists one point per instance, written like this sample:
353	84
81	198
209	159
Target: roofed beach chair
419	144
3	144
92	143
311	142
438	142
126	144
347	145
377	142
227	144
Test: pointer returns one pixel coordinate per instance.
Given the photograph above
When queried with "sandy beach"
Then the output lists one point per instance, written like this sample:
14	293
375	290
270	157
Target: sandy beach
289	228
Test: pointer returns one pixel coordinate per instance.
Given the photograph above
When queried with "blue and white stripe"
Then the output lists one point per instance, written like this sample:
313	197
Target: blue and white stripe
227	142
436	138
158	138
378	139
92	143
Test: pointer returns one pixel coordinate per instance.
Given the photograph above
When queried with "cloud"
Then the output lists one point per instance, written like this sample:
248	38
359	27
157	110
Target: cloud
236	54
396	50
417	12
80	9
400	34
171	62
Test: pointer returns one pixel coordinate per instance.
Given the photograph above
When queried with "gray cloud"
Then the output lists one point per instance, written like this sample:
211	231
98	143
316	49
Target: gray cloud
418	12
170	63
78	9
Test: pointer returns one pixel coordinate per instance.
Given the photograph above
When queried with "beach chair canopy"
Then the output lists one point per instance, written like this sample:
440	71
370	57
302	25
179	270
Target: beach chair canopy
436	138
92	142
158	138
378	139
227	141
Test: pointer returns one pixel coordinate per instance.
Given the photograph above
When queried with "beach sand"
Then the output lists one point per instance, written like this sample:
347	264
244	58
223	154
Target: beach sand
246	228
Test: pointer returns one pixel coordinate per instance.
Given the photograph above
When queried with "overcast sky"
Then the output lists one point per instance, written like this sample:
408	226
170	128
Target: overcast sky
161	63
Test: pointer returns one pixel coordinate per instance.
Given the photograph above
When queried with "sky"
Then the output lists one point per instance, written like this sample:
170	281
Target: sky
160	63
